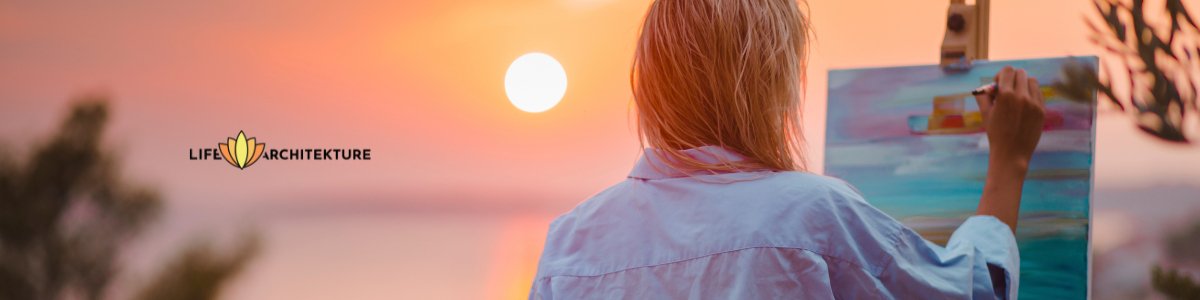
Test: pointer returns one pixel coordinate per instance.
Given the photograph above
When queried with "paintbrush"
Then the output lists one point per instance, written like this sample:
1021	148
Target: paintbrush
1078	84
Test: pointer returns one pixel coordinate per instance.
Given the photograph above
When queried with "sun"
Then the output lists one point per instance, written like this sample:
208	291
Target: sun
535	82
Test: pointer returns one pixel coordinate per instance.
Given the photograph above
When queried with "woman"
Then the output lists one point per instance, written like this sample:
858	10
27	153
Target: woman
720	207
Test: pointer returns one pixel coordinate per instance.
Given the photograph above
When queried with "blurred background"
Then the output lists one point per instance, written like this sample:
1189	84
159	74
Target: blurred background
461	185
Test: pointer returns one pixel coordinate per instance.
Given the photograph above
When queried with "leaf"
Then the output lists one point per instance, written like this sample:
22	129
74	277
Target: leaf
199	271
1173	284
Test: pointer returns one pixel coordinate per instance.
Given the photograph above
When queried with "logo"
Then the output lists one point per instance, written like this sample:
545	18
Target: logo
242	152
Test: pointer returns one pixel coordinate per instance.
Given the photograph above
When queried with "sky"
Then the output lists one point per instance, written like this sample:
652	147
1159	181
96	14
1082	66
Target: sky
421	84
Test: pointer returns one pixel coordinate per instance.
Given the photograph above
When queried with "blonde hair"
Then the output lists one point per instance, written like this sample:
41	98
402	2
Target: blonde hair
726	73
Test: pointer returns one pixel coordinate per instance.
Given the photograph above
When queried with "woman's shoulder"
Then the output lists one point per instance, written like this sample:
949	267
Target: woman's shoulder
810	178
775	190
831	200
809	186
804	197
795	210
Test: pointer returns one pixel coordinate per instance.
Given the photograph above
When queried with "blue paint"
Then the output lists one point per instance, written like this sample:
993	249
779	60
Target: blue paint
933	182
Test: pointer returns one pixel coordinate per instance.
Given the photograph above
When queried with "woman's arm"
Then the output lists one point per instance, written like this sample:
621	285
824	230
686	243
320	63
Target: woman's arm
1013	115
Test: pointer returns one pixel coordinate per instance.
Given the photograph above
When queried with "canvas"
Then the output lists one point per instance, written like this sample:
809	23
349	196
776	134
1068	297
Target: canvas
911	139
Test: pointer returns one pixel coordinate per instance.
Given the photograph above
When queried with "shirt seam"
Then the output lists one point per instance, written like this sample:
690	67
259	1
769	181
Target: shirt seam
847	261
896	242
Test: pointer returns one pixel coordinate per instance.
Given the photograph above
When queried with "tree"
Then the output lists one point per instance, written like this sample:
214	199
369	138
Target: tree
1162	83
1181	246
66	214
1161	65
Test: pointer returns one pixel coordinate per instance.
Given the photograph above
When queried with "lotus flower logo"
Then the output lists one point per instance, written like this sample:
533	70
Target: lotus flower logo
241	152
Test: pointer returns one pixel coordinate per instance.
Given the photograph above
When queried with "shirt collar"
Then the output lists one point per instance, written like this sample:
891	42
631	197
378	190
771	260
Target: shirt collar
653	164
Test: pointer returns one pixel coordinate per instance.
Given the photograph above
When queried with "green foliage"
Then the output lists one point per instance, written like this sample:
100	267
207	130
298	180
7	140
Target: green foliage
199	272
1181	248
66	214
1174	284
1161	65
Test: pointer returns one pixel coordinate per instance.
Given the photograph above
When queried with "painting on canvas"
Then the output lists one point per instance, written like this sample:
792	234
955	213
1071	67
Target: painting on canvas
912	140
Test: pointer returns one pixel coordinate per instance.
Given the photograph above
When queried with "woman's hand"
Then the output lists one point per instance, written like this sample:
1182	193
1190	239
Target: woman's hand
1013	114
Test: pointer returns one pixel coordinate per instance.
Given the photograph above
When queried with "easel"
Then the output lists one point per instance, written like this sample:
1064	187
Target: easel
966	40
966	34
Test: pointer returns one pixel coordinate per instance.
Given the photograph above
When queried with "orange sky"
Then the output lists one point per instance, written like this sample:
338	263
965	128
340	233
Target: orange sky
421	83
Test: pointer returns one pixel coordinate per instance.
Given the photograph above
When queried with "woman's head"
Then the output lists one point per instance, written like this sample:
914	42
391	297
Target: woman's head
726	73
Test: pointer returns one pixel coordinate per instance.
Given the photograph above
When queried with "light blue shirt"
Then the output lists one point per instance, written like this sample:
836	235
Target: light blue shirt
662	234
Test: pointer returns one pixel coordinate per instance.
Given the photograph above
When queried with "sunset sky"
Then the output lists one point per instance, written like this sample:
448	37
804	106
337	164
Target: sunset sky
422	84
